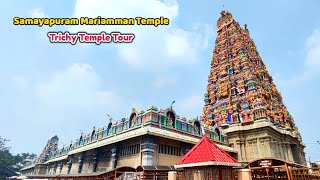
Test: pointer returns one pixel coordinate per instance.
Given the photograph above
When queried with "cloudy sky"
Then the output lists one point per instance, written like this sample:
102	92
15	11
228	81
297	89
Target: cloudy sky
60	89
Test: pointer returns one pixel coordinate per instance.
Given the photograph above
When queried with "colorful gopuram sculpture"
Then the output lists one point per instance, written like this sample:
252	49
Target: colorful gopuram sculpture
49	150
240	89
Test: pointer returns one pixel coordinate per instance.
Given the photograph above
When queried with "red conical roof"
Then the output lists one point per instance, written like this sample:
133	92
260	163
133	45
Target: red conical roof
206	152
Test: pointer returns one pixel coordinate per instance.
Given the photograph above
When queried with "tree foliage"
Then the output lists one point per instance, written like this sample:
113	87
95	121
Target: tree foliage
15	162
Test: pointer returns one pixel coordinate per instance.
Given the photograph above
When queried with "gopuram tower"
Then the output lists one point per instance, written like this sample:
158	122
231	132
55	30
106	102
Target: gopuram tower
244	103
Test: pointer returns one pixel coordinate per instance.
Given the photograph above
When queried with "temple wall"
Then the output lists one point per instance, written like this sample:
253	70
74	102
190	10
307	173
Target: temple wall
104	161
87	166
132	161
64	169
132	153
168	160
103	166
75	164
265	142
148	149
162	159
74	168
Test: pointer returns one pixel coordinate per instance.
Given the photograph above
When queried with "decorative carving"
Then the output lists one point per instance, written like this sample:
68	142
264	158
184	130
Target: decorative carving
240	88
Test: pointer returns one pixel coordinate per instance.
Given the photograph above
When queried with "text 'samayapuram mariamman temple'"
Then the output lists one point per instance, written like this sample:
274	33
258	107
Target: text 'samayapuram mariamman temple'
243	114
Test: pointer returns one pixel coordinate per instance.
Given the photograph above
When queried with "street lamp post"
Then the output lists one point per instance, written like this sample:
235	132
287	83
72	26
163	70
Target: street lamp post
109	116
172	104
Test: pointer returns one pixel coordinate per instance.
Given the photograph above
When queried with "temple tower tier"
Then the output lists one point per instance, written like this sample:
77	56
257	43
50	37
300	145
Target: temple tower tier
241	98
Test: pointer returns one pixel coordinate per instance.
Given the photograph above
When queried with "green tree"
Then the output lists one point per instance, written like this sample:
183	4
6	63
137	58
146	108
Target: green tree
15	162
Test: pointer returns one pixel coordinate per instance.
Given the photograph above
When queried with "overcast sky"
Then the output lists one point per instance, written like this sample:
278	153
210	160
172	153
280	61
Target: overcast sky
60	89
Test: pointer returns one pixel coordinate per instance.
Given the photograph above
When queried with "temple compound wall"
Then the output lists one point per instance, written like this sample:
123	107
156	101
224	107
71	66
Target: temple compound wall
145	150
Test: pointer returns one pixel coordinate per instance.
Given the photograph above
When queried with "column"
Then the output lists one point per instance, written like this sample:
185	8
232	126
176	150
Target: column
95	160
290	157
81	158
48	168
244	174
147	149
114	156
258	148
249	150
60	166
276	149
238	147
55	168
284	150
268	147
282	156
70	163
302	157
172	175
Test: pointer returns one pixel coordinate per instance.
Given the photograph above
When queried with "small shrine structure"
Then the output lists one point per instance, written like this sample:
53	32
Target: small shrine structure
207	161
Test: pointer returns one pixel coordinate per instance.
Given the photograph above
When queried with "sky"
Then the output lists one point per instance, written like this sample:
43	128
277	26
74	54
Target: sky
62	89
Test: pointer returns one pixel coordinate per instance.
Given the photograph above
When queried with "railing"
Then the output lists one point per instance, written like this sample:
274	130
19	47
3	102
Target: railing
304	173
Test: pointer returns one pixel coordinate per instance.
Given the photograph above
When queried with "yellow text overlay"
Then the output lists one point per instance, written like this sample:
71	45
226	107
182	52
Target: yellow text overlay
91	21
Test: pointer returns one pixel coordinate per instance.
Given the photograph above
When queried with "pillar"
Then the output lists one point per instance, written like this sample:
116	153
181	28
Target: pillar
70	163
55	165
238	148
60	166
244	174
243	149
290	157
147	149
285	151
258	148
49	168
172	175
95	160
268	152
114	156
81	158
255	149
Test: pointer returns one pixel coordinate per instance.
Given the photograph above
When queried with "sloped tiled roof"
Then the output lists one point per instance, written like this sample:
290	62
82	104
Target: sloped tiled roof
206	152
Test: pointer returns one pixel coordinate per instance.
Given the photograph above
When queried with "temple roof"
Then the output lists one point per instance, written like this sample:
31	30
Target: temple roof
204	153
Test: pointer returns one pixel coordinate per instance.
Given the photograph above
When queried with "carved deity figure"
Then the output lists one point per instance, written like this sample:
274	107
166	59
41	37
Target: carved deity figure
223	71
196	129
223	90
207	123
224	116
240	87
236	68
93	133
215	61
213	96
134	119
169	120
230	114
